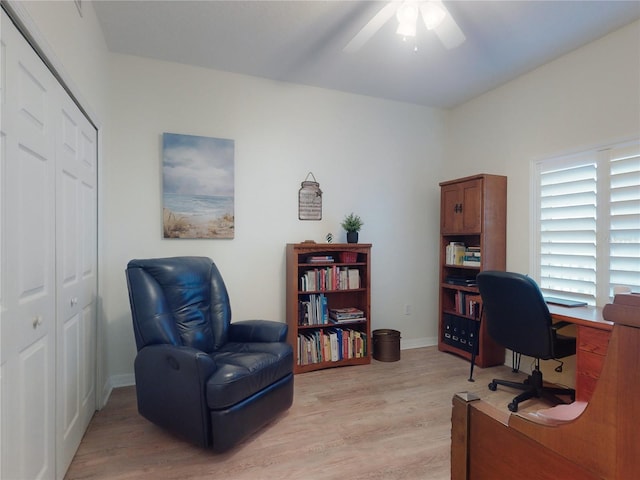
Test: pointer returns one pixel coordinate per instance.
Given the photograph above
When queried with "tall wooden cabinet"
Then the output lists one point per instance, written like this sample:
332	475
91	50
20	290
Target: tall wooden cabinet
472	239
323	278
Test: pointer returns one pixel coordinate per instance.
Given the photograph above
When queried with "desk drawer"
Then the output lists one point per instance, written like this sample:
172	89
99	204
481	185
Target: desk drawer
588	369
585	386
593	340
591	352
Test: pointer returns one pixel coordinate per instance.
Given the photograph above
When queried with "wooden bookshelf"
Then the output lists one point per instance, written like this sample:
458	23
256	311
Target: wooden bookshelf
473	213
312	330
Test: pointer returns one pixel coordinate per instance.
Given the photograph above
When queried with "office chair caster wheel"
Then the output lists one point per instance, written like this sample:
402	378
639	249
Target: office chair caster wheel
513	407
493	386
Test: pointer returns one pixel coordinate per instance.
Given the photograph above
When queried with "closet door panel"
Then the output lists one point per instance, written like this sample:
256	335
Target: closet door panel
76	277
35	428
70	373
28	282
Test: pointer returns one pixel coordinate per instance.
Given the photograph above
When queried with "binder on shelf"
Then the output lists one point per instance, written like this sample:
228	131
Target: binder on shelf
460	280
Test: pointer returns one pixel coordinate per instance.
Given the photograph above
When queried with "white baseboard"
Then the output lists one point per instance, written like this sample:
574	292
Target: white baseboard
116	381
418	343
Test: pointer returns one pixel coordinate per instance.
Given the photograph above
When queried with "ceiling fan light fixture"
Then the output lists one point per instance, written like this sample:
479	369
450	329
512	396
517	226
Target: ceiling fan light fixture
407	15
406	29
432	14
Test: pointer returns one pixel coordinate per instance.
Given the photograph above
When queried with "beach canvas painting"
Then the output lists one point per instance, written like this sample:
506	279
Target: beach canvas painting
198	186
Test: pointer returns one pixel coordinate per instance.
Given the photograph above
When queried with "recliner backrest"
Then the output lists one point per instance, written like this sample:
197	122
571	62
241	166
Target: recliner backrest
516	313
178	301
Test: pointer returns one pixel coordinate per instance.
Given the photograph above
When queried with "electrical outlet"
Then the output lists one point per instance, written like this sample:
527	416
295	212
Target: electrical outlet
407	309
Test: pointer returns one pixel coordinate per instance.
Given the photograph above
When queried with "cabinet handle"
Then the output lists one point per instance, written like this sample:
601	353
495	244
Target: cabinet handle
37	321
458	208
74	301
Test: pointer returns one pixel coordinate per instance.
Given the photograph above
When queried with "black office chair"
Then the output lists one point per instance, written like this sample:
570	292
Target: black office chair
518	318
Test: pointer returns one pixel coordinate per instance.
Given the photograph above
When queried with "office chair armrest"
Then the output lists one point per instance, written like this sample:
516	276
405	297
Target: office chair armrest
258	331
558	325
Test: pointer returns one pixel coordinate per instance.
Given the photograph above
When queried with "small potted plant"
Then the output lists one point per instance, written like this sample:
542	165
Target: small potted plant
352	224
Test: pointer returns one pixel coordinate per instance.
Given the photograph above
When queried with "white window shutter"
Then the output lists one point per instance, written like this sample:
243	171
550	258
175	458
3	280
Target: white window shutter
587	223
624	218
568	202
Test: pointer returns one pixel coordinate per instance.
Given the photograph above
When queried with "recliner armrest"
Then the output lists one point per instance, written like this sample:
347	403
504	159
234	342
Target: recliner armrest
160	361
258	331
170	385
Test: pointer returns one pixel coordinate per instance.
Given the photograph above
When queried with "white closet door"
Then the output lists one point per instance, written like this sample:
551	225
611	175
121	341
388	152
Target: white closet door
76	224
28	262
49	262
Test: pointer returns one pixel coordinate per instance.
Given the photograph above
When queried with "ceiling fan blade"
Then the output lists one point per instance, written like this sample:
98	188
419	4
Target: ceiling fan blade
372	27
448	31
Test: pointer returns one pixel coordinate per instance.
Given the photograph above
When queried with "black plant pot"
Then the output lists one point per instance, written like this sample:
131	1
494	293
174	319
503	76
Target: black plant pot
352	237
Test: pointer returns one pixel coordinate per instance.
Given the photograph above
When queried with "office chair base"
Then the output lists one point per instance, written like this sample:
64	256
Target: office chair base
533	388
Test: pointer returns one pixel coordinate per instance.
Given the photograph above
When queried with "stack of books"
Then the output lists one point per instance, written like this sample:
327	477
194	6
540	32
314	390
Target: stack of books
472	257
460	280
320	259
346	315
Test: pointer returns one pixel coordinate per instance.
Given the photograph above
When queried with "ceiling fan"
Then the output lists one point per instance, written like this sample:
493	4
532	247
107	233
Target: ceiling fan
434	14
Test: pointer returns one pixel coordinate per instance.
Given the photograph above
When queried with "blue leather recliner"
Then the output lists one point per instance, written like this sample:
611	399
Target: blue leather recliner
199	376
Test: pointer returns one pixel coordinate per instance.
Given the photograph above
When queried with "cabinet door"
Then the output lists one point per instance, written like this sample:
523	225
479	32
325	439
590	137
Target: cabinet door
450	221
461	207
471	208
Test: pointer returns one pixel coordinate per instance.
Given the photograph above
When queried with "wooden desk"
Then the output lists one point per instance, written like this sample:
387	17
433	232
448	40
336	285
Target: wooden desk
592	342
600	443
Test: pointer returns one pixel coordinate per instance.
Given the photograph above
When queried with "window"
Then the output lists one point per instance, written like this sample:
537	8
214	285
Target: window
587	222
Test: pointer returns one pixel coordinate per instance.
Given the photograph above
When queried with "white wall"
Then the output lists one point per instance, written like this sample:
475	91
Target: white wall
378	158
587	98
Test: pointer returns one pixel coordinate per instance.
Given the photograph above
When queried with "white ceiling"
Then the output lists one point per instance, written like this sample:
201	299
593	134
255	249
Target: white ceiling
302	42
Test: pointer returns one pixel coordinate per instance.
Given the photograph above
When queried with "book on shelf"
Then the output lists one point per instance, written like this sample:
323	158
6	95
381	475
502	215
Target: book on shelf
471	261
320	259
330	345
344	321
313	311
468	304
333	346
345	313
454	253
329	278
353	277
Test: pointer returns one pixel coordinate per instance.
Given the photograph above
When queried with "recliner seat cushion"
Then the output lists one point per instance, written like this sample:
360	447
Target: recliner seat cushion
243	369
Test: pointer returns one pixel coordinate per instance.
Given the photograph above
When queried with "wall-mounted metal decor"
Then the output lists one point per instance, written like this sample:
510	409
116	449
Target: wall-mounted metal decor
310	199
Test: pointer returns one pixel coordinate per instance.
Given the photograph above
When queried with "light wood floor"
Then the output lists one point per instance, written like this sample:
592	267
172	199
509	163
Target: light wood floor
387	420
